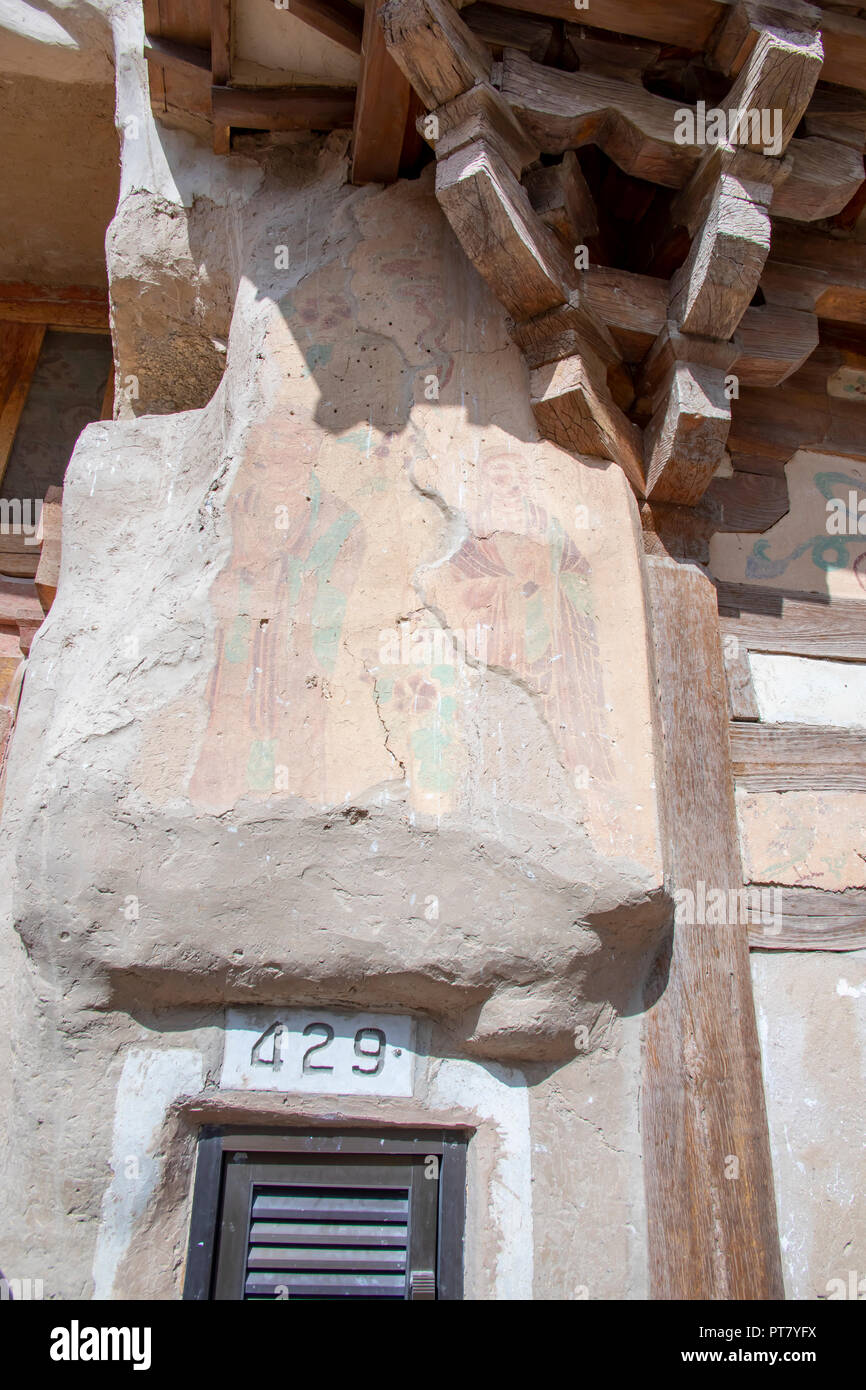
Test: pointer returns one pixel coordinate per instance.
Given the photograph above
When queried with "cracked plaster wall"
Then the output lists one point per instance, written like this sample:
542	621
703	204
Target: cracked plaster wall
232	782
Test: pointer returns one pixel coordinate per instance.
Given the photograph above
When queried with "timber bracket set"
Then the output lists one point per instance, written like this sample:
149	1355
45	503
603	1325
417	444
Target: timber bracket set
522	222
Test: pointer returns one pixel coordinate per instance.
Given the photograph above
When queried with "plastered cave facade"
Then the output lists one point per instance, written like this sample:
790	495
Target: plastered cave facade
477	701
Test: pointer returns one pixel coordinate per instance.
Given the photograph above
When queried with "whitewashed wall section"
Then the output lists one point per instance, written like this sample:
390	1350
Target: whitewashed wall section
803	690
286	1050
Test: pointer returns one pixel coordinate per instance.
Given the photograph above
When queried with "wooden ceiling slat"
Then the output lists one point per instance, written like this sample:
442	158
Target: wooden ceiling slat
284	108
336	19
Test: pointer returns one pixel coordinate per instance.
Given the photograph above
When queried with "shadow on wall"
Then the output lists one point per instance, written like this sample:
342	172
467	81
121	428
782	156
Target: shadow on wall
348	268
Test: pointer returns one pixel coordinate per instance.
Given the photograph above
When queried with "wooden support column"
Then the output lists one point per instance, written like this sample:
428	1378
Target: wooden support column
709	1179
381	106
221	66
20	344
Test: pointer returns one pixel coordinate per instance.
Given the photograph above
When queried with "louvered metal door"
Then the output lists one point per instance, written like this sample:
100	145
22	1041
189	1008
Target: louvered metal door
338	1227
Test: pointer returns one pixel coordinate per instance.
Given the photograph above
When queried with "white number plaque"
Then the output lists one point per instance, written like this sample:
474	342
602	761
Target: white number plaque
316	1050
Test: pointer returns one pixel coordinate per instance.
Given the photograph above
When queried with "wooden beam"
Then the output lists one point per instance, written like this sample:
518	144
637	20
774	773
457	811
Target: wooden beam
565	110
743	22
20	344
435	50
685	440
773	424
19	603
835	113
686	26
812	271
221	66
574	407
284	108
521	260
742	701
825	176
741	502
381	106
797	757
634	307
715	285
779	74
772	343
778	620
812	919
691	27
183	57
481	114
500	28
571	328
72	306
561	197
844	39
708	1172
638	131
336	19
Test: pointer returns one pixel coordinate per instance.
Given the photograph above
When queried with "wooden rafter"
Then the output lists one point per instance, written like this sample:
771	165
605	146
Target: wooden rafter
69	306
691	26
336	19
284	108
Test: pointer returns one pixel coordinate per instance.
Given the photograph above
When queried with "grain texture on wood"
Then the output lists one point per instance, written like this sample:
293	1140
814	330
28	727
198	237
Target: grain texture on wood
381	107
435	50
20	344
714	287
797	757
19	603
284	108
221	64
687	26
574	407
572	328
565	110
811	919
772	343
742	702
506	241
479	114
692	26
561	197
824	177
741	502
72	306
779	76
774	424
787	622
711	1236
633	306
823	275
500	28
743	22
685	440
